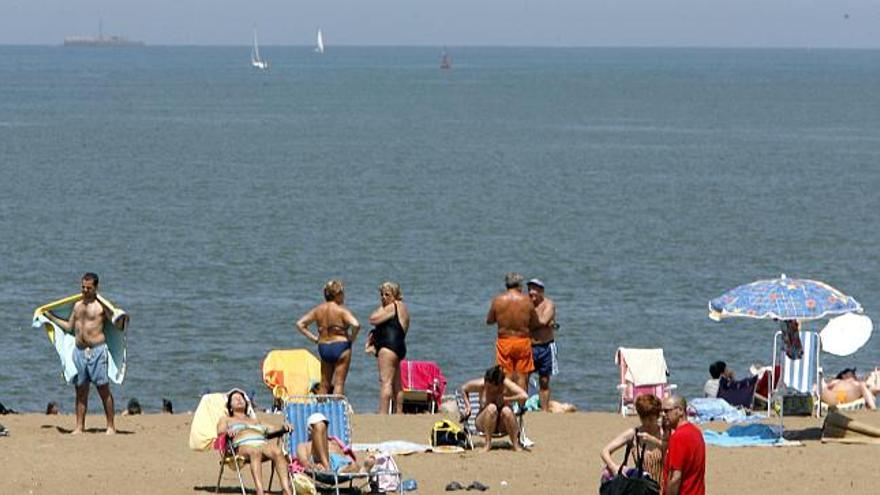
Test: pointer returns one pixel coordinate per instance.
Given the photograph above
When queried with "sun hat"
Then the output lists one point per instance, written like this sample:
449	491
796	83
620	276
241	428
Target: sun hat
316	418
536	281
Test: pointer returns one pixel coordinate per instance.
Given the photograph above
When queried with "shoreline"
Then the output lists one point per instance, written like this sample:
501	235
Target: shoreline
150	455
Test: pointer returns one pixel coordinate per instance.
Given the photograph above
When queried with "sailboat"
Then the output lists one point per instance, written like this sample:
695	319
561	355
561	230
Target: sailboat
445	60
319	45
256	61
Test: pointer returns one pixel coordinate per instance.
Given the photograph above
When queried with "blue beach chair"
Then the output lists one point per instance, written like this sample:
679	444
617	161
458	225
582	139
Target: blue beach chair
297	410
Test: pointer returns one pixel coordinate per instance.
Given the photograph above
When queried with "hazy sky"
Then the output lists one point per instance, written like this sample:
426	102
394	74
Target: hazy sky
774	23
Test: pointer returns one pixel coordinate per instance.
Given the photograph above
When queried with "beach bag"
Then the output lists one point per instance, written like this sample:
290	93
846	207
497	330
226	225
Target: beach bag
797	404
386	475
637	482
448	432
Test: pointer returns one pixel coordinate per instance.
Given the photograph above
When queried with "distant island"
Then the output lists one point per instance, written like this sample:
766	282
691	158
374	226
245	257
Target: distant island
100	40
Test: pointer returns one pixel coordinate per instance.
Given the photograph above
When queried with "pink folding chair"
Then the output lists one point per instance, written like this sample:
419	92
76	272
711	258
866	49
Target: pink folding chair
642	371
423	385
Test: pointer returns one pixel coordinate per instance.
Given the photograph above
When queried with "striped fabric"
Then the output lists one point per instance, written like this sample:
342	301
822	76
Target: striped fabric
800	374
474	399
335	407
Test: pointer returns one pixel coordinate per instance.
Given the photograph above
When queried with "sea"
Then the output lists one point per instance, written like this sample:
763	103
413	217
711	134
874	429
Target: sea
214	201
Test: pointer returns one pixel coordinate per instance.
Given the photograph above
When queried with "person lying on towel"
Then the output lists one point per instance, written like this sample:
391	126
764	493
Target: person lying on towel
846	388
322	454
250	439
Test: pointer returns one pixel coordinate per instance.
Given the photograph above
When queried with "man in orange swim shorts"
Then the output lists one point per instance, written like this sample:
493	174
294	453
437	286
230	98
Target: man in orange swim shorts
515	315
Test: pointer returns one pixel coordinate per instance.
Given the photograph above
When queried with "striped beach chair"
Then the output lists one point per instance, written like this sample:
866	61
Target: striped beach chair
336	408
800	376
470	422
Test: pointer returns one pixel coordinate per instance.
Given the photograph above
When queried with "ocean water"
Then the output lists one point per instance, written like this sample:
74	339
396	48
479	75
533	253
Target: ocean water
214	201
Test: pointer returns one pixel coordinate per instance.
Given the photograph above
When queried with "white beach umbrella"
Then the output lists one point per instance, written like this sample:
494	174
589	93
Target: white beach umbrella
846	334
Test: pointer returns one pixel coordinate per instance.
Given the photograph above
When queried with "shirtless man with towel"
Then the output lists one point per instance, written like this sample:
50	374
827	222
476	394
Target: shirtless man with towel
91	355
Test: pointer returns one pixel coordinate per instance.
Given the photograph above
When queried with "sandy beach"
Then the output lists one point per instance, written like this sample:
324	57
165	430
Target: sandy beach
150	456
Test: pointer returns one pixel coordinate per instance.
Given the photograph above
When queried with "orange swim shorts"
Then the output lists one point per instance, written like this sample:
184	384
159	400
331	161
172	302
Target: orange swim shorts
514	354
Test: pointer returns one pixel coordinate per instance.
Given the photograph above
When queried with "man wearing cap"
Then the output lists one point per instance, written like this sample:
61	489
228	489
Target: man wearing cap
543	340
515	315
845	388
320	454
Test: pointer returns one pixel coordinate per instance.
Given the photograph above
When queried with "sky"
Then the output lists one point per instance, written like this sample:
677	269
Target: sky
661	23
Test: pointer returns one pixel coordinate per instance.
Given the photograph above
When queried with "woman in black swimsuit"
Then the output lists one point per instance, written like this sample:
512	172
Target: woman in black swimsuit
391	320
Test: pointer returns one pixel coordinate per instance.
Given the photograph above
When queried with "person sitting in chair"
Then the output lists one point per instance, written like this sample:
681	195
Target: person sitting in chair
250	439
716	371
846	388
320	454
497	393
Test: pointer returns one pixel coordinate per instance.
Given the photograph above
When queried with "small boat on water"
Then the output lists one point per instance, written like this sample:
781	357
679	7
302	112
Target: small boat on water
319	45
445	60
256	61
101	40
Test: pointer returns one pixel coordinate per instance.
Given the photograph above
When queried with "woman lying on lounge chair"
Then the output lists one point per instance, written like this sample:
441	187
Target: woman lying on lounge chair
250	440
846	388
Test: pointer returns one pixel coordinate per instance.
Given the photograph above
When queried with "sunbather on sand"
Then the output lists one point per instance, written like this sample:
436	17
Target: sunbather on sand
320	454
249	438
846	388
496	394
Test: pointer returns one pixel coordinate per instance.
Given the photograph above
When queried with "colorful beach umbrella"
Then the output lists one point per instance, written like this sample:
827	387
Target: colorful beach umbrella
846	334
783	299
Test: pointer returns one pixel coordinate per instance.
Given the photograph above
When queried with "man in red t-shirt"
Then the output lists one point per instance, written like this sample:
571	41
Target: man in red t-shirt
684	468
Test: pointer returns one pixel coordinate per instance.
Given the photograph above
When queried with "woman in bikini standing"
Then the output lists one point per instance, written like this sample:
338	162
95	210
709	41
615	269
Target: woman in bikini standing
334	341
391	320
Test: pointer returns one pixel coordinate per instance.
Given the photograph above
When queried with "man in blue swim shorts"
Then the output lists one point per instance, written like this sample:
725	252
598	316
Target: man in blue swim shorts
543	340
90	356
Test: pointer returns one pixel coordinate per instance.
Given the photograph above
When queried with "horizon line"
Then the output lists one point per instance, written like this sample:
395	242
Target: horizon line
441	45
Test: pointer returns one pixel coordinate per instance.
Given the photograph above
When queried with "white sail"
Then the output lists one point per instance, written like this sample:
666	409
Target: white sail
445	60
256	61
319	47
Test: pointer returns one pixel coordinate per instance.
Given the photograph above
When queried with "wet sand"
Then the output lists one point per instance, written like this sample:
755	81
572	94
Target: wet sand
150	456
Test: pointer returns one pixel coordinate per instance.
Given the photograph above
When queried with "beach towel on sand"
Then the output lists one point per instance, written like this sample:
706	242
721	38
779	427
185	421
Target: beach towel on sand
396	447
644	366
755	435
65	343
705	409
